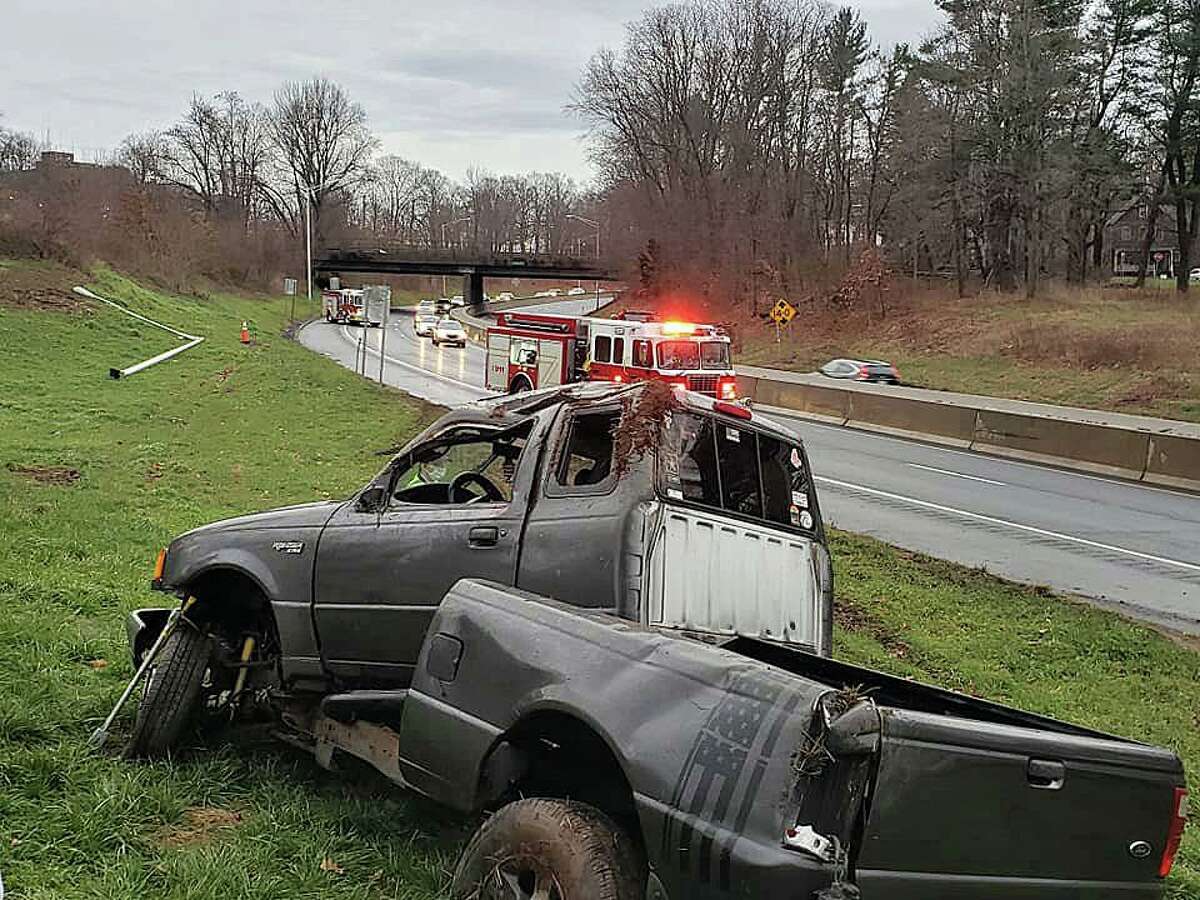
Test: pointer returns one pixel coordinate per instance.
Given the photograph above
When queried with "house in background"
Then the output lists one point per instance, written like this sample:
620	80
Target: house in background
1123	235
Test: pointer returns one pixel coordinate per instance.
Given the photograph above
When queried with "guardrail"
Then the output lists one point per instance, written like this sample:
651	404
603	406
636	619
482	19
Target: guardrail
1163	452
1155	451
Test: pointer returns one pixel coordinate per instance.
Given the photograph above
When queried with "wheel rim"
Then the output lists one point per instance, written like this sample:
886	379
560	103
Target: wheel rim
521	879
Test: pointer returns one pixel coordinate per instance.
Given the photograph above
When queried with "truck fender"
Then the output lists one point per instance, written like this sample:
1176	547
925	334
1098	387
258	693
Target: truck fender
234	561
506	765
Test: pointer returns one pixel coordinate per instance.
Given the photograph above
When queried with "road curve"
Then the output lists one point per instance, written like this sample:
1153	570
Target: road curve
1128	546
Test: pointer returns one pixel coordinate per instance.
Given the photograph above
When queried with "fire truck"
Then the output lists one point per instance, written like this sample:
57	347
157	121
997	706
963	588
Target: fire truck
527	351
348	305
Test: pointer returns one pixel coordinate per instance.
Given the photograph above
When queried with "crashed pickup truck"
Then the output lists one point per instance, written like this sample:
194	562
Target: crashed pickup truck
602	615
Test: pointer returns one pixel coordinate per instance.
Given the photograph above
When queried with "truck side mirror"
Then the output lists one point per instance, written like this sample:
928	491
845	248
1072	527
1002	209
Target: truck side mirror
372	499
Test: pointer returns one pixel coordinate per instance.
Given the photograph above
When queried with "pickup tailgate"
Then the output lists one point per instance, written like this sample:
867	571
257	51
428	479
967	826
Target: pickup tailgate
973	809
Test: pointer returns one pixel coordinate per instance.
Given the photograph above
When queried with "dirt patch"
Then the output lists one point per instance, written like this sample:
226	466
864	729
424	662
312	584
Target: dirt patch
59	475
201	825
1156	387
858	620
40	286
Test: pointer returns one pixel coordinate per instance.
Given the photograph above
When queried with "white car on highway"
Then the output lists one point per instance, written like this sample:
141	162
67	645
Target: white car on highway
449	331
504	296
576	292
425	322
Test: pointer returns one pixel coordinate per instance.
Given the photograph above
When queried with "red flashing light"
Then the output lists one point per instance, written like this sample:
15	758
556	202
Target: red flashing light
1179	817
733	409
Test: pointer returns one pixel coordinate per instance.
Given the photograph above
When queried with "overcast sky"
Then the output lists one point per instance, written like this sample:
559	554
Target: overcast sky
451	84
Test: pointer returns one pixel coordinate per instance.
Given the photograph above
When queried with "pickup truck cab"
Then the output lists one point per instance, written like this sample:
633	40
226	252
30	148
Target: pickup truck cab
603	614
717	530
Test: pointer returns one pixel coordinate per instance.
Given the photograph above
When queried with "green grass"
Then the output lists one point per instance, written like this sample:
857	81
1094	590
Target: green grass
225	429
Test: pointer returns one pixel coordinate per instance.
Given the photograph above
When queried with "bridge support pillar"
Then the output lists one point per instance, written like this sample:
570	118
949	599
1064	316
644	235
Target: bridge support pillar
473	292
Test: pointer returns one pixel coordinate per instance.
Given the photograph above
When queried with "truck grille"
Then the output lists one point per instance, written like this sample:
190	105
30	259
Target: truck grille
703	384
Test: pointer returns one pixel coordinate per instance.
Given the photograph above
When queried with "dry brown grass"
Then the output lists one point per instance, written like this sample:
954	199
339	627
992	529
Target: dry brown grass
1105	348
1145	347
201	825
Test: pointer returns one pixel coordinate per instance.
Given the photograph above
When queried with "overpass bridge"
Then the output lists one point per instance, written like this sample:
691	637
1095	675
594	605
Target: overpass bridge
472	265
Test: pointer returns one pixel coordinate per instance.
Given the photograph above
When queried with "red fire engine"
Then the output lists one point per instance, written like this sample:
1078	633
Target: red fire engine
348	305
527	351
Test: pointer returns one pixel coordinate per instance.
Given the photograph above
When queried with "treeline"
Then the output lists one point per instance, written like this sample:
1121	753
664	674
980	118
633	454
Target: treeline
224	192
764	147
745	151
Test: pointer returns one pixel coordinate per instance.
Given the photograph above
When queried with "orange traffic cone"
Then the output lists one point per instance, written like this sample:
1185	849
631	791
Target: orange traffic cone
245	333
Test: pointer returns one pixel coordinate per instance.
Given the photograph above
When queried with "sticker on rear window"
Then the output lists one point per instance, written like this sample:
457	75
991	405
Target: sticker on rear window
800	499
797	460
732	434
674	493
806	519
794	514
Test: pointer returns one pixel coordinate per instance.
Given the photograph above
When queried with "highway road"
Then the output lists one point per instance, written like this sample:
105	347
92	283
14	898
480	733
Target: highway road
1119	544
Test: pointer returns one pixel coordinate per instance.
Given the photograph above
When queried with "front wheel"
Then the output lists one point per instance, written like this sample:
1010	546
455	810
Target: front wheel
549	850
172	693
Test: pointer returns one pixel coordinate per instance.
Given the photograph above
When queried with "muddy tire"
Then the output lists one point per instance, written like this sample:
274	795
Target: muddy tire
556	849
172	693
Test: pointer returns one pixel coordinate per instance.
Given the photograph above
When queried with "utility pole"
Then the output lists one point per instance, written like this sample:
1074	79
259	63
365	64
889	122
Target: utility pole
446	225
308	190
594	224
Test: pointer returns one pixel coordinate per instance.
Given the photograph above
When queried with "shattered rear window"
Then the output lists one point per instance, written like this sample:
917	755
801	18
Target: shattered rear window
730	468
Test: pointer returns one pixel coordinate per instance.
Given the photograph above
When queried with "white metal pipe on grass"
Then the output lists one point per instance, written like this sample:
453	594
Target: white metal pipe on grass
191	339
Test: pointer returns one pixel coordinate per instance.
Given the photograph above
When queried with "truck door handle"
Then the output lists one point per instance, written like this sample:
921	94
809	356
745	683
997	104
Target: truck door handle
1046	774
483	536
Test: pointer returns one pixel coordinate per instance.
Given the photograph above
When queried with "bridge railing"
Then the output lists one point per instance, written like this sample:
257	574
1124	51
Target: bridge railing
359	251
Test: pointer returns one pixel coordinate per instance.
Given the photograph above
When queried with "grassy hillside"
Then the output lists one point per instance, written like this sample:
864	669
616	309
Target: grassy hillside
96	474
1104	348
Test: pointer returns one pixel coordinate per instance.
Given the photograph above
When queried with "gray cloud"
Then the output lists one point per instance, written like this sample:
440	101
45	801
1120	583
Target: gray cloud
452	84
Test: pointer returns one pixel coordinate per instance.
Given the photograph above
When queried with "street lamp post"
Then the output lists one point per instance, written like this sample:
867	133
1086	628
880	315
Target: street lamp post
308	191
593	224
446	225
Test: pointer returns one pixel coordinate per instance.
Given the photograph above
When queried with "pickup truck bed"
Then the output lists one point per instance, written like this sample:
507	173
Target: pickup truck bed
725	747
976	794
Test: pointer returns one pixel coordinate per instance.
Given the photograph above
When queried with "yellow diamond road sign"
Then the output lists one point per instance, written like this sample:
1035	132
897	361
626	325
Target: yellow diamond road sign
783	312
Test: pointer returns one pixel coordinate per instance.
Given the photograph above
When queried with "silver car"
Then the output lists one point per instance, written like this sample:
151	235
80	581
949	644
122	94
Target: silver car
424	323
875	370
449	331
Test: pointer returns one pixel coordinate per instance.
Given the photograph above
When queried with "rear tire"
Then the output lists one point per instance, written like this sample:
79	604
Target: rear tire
172	693
520	385
564	849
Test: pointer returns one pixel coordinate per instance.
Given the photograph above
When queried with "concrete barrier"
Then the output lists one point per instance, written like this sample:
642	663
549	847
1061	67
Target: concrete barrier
475	326
1173	461
1107	450
1140	448
943	423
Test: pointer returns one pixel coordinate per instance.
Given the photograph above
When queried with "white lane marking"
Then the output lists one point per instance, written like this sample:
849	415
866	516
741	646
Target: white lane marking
481	391
992	520
955	474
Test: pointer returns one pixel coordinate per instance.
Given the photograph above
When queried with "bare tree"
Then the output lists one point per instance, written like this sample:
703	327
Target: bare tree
18	151
323	143
220	154
146	156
